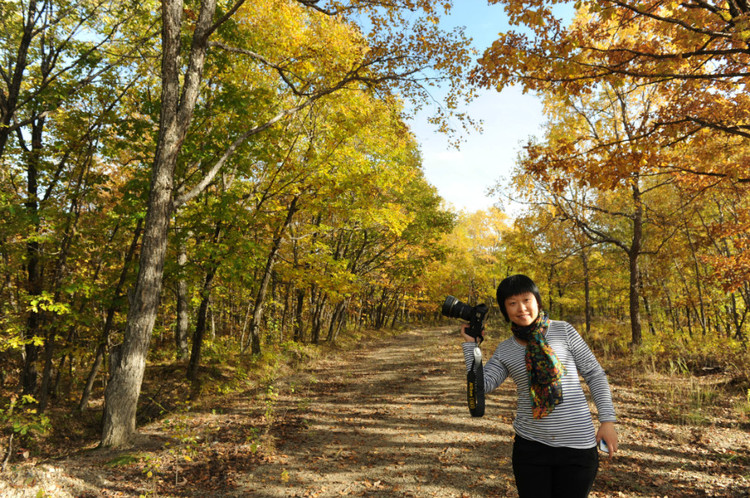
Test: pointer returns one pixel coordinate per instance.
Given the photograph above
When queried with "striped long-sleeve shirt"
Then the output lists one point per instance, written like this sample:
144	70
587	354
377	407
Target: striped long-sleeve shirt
570	424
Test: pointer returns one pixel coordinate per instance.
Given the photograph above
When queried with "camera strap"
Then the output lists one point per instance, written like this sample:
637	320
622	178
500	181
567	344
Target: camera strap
475	385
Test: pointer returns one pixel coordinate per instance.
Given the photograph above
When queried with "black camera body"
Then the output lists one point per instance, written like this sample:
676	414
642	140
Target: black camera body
454	308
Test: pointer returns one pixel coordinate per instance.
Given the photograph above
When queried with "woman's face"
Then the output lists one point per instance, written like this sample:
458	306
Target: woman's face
522	309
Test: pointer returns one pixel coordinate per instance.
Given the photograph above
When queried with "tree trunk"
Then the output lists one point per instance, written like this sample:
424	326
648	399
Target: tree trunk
735	319
49	349
127	374
673	313
318	301
337	321
285	310
299	331
260	300
210	310
34	270
635	315
201	320
646	305
633	253
360	312
698	286
317	319
586	289
183	320
396	311
176	113
201	323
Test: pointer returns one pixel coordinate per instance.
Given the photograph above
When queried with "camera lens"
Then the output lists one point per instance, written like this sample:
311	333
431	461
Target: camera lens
448	305
454	308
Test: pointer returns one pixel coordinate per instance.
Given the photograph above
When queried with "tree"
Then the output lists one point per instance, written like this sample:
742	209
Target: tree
693	55
596	144
53	51
384	60
475	258
700	49
59	86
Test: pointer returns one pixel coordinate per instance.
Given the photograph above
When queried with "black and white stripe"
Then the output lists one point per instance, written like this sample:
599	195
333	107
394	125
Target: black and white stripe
570	424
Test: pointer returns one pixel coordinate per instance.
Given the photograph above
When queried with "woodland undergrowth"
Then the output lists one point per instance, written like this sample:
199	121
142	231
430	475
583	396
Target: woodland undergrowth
695	375
166	395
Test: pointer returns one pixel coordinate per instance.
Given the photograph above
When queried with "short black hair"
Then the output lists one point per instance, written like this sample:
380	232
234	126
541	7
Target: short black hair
513	286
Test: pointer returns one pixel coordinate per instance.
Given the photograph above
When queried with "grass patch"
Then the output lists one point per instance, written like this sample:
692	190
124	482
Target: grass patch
696	379
125	460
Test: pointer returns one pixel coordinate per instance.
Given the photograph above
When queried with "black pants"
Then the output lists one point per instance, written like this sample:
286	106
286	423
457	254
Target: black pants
545	472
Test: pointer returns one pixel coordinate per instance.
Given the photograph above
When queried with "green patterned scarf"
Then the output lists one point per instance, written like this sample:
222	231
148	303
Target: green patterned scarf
544	368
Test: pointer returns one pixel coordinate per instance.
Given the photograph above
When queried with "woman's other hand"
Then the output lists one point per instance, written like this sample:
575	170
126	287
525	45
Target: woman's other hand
608	433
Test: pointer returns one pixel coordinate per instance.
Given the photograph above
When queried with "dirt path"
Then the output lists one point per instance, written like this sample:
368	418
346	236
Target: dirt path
394	422
387	420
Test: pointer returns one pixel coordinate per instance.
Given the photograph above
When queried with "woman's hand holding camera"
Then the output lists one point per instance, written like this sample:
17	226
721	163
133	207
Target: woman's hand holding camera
466	337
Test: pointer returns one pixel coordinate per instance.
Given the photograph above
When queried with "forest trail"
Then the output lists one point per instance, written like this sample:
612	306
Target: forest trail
388	419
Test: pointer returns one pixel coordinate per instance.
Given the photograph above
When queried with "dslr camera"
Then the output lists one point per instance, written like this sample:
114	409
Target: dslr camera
453	308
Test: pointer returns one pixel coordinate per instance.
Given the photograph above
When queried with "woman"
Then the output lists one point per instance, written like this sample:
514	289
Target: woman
555	448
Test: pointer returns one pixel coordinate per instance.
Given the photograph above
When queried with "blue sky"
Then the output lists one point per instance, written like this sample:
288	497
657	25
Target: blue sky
509	118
